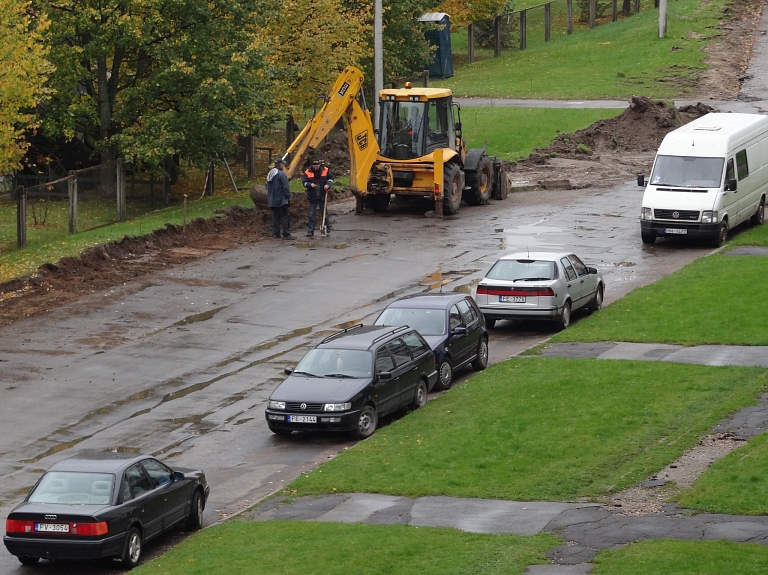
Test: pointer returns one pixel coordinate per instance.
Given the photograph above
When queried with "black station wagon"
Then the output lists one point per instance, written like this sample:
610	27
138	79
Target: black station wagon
351	379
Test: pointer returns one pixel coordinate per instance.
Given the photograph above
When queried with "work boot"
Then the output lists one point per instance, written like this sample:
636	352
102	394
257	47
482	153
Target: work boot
289	237
310	234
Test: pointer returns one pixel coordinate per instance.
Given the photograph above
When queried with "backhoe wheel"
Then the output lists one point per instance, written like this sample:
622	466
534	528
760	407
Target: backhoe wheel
452	185
378	202
480	182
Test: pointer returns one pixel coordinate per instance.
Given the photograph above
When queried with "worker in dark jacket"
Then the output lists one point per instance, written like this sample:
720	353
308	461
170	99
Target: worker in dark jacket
317	180
279	200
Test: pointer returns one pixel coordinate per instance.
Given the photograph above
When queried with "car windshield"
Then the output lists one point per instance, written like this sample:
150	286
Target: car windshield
425	321
687	172
74	488
340	363
522	270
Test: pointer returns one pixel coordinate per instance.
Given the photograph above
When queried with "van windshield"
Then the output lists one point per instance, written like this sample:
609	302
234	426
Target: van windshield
687	172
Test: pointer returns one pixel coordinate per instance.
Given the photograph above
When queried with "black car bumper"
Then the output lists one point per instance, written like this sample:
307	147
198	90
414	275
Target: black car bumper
326	421
662	229
67	549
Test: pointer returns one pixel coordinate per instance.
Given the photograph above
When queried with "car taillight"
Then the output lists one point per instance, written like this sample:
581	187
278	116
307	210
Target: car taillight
482	290
18	526
542	292
518	291
88	528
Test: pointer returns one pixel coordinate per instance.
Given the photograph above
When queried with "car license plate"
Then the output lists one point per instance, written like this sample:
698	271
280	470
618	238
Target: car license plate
511	299
302	418
675	231
52	527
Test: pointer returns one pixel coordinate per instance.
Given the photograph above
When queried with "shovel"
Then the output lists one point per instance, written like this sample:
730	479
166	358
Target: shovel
323	230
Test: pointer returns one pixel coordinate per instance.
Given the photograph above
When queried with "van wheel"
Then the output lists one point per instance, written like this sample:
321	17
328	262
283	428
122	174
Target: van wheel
648	237
366	423
759	216
722	235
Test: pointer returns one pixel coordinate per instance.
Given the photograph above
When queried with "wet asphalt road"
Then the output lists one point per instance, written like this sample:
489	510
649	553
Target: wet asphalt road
180	364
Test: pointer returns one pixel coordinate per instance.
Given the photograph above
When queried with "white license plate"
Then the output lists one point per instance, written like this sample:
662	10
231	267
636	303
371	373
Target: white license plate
302	418
675	231
511	299
52	527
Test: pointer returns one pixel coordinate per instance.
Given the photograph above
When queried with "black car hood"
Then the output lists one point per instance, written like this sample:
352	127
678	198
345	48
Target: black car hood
318	389
61	510
434	341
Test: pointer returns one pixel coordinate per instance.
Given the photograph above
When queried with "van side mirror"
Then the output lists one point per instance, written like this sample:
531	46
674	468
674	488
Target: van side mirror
641	180
731	185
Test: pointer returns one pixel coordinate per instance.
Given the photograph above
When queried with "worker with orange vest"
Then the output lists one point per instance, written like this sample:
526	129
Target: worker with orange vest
317	180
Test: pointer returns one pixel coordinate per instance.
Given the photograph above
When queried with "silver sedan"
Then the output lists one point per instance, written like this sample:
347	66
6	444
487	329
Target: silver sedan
540	286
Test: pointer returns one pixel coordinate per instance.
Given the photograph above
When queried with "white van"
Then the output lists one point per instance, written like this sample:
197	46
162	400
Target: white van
708	177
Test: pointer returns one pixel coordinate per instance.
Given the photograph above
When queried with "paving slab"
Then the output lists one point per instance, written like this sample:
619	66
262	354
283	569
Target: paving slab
582	569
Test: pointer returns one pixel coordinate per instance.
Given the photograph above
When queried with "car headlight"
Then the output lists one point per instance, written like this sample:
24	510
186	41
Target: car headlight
337	407
708	217
276	404
646	214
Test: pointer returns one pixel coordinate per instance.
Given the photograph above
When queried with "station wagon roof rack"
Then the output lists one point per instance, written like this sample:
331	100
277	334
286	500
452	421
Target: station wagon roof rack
342	332
391	332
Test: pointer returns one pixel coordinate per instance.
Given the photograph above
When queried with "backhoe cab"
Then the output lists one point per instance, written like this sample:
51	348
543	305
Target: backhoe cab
418	151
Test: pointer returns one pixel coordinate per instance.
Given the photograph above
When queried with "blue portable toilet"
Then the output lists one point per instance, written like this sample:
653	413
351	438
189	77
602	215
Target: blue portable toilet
442	64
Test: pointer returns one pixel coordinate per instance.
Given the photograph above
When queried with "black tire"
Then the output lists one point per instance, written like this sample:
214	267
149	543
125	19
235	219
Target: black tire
280	432
648	237
597	302
133	547
27	560
481	361
452	185
490	323
420	397
565	317
758	217
195	519
444	375
481	182
366	423
379	202
722	235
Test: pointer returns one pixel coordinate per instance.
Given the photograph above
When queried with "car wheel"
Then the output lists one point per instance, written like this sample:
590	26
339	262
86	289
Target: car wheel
481	361
490	323
132	553
280	432
597	303
565	317
444	375
759	216
27	560
648	237
366	423
195	519
722	235
420	397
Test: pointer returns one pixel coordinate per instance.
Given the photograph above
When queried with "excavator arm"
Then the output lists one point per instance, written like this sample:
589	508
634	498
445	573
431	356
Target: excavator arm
363	147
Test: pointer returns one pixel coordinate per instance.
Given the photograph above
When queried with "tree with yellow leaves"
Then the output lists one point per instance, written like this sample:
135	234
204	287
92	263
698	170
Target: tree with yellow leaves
23	71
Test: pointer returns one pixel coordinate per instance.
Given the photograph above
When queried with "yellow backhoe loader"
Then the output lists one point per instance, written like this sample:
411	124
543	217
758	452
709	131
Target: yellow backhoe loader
419	150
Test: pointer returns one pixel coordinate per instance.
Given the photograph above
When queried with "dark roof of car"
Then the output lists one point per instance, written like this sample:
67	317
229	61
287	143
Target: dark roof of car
428	300
362	337
101	461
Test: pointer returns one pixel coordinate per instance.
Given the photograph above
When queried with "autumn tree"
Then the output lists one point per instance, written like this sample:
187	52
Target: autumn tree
463	12
23	71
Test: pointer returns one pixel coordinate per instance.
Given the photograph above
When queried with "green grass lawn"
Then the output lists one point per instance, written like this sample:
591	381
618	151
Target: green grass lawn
513	133
737	483
672	557
745	235
611	61
535	428
714	300
299	548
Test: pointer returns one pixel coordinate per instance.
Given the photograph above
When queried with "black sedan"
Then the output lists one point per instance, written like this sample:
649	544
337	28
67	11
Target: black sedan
451	323
103	504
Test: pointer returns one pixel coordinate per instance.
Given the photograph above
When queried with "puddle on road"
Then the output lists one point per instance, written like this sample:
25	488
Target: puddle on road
56	449
198	317
194	419
245	420
124	449
245	267
268	344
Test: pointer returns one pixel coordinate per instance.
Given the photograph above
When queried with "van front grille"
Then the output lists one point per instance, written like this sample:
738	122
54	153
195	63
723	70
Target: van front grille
685	215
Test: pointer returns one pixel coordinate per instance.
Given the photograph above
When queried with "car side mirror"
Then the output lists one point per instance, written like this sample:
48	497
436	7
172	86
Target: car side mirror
459	331
178	476
287	371
591	270
731	185
385	375
641	180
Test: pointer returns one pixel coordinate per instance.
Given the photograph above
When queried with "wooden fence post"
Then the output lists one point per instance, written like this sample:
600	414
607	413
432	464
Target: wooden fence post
547	21
592	10
21	216
72	194
497	36
569	11
471	43
523	41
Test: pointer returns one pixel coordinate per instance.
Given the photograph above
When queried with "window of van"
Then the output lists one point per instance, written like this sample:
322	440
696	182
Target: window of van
687	172
741	164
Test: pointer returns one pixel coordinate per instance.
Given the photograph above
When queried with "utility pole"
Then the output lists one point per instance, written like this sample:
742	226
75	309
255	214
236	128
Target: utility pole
662	18
378	60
